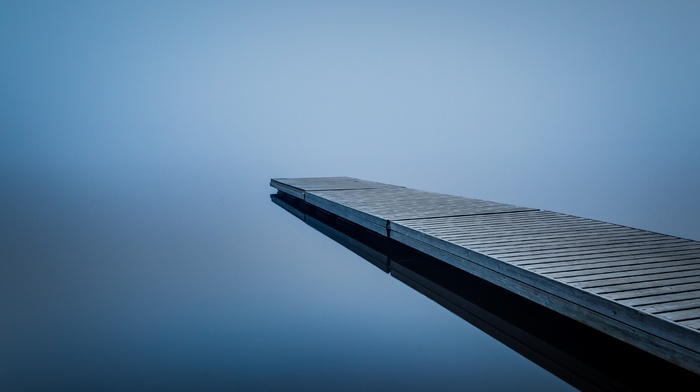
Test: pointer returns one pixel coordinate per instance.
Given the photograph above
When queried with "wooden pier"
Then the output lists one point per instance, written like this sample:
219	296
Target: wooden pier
640	287
576	353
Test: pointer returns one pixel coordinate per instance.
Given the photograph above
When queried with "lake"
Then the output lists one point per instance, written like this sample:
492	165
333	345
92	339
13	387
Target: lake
202	285
139	246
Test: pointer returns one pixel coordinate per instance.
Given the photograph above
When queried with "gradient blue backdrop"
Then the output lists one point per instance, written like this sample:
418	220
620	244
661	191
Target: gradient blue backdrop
138	246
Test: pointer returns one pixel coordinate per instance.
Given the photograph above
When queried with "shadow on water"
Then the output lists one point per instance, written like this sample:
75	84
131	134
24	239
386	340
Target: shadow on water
581	356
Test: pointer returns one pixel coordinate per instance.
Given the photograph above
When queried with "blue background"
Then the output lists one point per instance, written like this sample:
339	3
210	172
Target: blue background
139	247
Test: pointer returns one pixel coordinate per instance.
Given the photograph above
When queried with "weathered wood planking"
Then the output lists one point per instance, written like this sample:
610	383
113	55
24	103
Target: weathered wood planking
299	186
638	286
549	340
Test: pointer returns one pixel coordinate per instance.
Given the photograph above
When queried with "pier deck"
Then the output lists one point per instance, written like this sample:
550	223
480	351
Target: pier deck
638	286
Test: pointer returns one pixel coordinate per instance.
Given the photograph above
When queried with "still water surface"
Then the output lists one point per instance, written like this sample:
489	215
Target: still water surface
208	285
139	249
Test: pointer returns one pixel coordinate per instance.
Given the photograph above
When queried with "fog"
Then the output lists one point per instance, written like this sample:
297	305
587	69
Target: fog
137	140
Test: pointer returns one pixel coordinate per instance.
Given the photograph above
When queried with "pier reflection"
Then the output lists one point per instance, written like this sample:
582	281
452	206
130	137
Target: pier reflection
579	355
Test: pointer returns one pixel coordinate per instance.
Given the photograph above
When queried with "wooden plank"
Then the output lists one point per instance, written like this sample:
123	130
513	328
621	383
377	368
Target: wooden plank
348	238
613	278
647	292
681	315
564	248
672	306
632	276
546	237
579	308
694	324
646	252
684	256
409	204
531	330
643	249
627	265
479	225
372	222
509	230
643	302
556	246
646	284
298	186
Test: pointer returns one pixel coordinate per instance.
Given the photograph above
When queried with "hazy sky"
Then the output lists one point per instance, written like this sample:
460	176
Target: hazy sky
585	107
130	126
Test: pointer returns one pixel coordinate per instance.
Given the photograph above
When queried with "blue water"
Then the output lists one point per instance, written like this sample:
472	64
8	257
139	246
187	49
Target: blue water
139	249
207	285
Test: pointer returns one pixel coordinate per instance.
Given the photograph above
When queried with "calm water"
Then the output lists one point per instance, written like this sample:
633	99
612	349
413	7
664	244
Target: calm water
139	248
206	284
